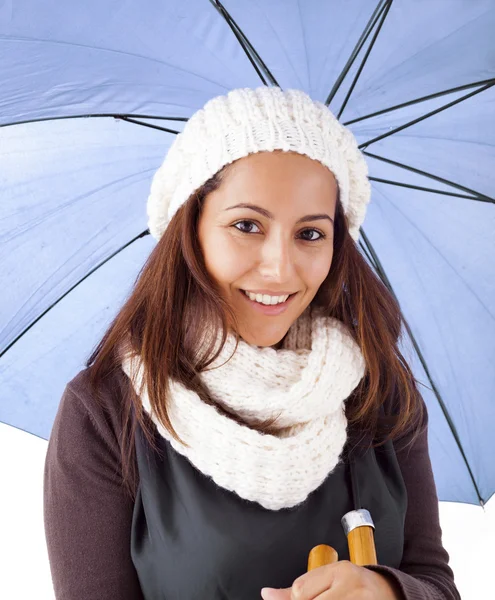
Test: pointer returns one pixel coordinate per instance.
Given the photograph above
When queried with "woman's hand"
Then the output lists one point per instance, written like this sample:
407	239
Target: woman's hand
342	580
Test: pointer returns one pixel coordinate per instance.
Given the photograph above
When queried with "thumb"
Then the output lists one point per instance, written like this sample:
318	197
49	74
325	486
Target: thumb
273	594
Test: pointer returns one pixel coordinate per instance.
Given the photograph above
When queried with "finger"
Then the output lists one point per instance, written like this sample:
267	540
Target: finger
273	594
337	592
310	585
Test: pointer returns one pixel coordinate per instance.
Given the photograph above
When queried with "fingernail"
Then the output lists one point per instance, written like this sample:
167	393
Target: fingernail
266	593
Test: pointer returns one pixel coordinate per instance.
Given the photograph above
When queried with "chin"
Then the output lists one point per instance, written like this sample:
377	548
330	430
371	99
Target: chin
263	338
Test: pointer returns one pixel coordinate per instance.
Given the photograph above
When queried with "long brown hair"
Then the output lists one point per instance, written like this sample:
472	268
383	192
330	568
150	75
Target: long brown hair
174	299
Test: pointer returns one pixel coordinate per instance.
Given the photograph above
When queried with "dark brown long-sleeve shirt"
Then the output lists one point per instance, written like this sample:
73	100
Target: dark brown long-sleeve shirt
88	514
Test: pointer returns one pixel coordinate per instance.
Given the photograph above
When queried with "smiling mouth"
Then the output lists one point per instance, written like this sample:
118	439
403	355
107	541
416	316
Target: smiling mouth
246	294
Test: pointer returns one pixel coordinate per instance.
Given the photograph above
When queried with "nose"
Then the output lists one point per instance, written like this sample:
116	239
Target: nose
276	261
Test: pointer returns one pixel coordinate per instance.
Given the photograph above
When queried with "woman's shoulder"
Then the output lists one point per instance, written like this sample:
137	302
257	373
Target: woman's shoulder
111	388
103	407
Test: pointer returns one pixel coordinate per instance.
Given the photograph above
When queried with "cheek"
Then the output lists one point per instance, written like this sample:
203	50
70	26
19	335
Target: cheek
316	269
224	259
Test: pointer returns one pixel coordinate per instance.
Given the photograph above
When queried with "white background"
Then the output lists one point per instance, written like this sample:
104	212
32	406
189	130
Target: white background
468	531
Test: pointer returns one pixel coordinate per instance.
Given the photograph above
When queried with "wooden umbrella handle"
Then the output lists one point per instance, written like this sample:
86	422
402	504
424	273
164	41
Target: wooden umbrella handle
322	555
362	546
358	527
359	530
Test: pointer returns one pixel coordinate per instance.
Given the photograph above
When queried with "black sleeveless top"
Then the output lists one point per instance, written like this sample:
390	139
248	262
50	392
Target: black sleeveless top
193	540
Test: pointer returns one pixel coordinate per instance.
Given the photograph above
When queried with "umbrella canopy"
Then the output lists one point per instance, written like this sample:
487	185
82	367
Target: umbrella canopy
94	93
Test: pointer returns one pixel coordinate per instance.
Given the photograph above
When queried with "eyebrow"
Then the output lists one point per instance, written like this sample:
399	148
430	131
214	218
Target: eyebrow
269	215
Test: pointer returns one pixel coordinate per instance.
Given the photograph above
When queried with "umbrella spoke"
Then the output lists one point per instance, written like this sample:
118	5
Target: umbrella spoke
149	125
383	276
421	188
478	196
427	115
246	45
103	262
95	115
368	255
418	100
357	48
383	16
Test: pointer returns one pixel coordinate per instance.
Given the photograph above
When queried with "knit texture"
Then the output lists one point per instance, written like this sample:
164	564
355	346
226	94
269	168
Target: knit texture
305	388
246	121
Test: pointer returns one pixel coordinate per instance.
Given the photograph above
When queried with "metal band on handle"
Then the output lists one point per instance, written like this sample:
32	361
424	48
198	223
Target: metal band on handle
356	518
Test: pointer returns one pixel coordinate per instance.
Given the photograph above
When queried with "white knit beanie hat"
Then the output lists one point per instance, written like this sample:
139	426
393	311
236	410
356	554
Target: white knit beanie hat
246	121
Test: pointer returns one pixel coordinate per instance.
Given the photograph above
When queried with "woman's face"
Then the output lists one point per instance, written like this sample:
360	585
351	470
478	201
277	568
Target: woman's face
268	230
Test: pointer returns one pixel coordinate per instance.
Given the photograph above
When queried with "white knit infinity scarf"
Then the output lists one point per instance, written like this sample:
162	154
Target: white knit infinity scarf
307	387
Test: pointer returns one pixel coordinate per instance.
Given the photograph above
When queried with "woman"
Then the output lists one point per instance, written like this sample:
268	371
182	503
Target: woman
251	391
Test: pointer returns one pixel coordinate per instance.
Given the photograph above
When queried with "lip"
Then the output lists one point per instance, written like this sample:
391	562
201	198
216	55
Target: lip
272	310
270	292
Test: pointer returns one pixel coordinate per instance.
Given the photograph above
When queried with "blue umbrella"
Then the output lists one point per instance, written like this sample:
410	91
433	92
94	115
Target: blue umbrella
92	96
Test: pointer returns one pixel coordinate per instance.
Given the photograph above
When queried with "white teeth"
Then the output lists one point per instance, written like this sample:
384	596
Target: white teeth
266	299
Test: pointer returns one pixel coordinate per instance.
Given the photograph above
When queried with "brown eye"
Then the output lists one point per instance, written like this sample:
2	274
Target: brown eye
312	238
248	229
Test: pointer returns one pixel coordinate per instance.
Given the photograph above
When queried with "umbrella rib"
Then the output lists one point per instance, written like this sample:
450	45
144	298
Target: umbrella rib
367	254
95	115
386	281
149	125
245	44
427	115
142	234
383	16
477	195
357	48
421	188
255	54
418	100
